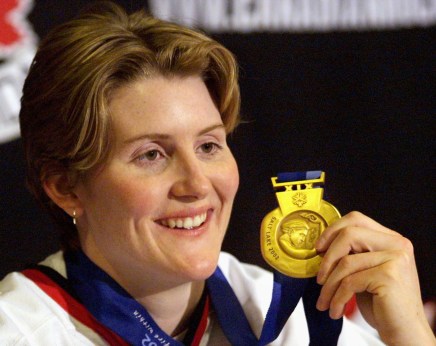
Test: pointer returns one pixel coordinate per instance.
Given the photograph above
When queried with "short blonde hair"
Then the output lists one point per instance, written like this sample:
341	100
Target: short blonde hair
65	125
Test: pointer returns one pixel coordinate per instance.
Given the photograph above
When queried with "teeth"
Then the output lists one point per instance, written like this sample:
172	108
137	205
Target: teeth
197	220
187	223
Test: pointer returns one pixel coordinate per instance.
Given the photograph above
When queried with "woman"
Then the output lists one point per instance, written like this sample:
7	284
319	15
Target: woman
124	122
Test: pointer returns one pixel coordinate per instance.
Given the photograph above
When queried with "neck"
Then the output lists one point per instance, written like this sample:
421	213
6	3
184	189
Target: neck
172	308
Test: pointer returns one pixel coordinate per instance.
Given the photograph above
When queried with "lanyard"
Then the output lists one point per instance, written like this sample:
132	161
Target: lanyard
96	300
123	314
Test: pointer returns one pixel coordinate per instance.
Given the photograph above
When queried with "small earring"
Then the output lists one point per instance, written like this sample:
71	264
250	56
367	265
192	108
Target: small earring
74	216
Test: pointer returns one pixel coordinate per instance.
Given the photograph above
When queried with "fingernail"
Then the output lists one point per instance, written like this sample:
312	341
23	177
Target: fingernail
320	305
336	313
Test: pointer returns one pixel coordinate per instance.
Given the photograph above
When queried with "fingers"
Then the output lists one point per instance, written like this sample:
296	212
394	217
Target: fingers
353	274
362	257
353	219
355	240
355	233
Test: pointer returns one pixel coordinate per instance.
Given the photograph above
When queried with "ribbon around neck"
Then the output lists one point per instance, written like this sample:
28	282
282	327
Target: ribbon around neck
112	306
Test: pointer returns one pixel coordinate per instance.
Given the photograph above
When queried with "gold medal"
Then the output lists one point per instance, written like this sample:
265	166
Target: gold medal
288	233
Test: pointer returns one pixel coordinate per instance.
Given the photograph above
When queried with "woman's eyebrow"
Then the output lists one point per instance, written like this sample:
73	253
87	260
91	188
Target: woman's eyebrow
211	128
148	136
161	136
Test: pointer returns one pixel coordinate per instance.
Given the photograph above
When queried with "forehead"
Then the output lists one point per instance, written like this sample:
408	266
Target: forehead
161	104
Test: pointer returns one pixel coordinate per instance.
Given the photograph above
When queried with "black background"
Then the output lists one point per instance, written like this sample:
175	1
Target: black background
358	105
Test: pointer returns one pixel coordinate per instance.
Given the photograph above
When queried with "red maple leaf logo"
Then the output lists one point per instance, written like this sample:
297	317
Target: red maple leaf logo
9	34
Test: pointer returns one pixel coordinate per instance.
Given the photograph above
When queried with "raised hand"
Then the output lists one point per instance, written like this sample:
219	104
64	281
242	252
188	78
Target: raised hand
362	257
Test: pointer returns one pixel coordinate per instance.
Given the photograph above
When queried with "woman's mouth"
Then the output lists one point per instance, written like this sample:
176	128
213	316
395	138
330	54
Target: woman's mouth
184	223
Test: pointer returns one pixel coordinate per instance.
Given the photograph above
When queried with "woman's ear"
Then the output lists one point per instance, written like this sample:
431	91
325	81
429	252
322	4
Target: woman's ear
59	189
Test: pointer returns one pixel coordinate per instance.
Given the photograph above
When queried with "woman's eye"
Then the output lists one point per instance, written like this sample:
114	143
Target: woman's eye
149	155
209	147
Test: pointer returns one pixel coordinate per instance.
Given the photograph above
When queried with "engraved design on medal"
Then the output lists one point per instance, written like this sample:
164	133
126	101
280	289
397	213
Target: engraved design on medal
299	199
299	232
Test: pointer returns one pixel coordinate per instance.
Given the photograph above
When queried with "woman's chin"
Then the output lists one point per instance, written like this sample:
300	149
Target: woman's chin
202	269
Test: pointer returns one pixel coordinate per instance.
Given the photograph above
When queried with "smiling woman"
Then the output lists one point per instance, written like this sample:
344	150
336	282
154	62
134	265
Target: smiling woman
90	58
124	122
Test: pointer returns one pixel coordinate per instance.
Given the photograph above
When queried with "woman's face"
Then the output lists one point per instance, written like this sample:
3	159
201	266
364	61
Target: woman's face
161	204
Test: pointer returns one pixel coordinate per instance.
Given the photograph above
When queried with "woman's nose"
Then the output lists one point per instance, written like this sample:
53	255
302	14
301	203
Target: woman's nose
191	182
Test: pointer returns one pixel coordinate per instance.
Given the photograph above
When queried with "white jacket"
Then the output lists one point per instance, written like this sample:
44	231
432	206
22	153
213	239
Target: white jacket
28	316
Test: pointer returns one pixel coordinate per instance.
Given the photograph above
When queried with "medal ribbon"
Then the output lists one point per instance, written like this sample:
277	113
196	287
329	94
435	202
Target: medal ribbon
287	292
129	319
230	314
122	314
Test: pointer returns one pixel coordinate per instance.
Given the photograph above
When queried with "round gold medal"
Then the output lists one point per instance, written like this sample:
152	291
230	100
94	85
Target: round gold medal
288	233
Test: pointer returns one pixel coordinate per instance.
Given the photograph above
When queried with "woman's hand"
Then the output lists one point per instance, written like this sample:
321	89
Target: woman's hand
363	257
